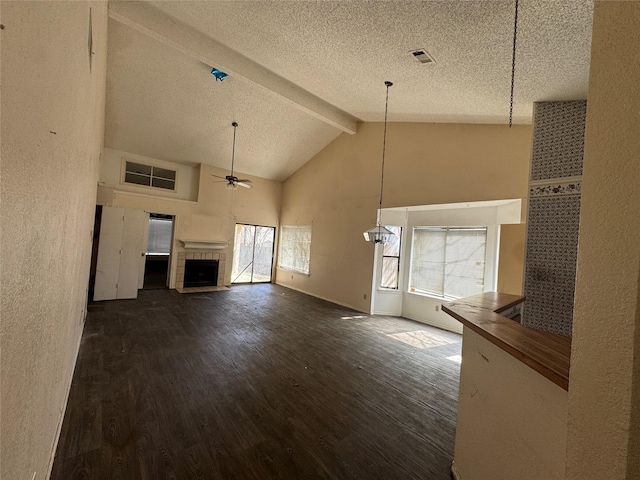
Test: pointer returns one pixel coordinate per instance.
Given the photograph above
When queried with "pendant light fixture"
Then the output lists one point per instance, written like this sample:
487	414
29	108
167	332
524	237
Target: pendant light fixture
380	234
513	63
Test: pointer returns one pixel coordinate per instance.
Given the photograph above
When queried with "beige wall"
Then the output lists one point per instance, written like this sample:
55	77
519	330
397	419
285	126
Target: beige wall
214	215
511	255
604	389
52	126
337	192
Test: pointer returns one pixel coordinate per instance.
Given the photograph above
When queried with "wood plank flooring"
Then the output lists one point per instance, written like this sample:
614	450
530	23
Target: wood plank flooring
258	382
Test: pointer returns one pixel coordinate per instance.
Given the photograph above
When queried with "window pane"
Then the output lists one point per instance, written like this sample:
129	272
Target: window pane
138	168
389	272
164	173
392	247
159	236
465	258
162	183
427	260
263	254
295	248
137	179
243	254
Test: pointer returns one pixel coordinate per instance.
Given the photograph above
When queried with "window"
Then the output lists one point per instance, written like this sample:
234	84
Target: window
295	248
149	176
391	259
448	261
159	234
252	254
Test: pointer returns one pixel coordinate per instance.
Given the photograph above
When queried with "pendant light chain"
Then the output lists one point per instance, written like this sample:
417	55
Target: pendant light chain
513	64
233	147
384	143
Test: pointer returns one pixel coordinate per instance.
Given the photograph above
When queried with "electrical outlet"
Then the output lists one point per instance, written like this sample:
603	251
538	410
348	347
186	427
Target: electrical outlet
365	296
437	308
291	277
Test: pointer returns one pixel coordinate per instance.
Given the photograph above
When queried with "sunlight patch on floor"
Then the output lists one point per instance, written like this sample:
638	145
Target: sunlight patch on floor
355	317
455	358
421	339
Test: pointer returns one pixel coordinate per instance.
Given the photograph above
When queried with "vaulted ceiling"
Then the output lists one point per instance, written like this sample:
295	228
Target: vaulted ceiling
303	72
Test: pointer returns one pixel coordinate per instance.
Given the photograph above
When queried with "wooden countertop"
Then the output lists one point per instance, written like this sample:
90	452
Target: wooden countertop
547	353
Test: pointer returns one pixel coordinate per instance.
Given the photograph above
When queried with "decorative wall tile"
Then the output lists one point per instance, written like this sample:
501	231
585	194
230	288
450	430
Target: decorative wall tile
553	216
558	139
555	189
550	266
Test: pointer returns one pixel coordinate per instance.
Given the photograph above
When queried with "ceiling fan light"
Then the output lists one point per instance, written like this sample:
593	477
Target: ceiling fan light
378	234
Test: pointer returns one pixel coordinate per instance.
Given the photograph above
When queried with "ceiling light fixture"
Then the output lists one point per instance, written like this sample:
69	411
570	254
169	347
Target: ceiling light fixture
380	234
234	182
513	64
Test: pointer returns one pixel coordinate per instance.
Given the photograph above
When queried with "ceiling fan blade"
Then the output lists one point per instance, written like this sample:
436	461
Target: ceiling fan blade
218	176
244	183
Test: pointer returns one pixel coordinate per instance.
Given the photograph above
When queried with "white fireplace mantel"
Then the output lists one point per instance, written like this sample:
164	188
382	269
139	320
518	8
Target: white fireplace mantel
202	245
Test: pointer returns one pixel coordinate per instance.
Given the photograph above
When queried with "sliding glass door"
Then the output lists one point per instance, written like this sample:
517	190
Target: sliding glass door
252	254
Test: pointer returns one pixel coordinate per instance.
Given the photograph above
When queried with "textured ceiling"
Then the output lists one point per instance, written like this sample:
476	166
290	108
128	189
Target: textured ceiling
164	104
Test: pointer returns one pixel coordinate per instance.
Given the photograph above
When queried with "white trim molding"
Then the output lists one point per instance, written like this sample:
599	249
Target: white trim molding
454	471
202	245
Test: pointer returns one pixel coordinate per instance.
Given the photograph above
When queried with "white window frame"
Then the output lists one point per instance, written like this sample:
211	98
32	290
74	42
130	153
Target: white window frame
490	265
124	171
301	256
400	260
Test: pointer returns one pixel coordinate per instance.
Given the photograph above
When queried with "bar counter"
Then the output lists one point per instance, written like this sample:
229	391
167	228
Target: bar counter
546	353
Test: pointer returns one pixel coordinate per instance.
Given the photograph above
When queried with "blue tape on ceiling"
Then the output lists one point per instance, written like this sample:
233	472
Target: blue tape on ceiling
219	74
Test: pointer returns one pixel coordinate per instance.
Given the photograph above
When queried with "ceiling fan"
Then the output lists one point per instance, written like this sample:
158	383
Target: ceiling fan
234	182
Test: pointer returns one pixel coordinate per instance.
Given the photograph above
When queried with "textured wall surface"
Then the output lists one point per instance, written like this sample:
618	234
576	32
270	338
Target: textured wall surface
604	389
52	125
338	191
553	216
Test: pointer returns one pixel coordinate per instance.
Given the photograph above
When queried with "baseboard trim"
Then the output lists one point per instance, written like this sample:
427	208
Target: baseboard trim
454	472
322	298
441	326
66	401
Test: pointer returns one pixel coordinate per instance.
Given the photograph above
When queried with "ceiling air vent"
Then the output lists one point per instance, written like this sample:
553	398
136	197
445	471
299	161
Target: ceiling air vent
422	56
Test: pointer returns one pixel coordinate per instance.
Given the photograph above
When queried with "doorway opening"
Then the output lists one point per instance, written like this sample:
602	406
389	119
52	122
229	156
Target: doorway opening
253	254
158	251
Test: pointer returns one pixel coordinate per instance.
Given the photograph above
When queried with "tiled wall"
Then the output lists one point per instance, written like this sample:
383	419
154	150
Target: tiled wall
200	255
553	215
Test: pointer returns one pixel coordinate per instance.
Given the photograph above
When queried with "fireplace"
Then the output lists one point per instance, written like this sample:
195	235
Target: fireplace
202	254
200	273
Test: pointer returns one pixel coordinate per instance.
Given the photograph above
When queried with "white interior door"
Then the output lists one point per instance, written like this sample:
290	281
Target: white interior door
133	240
108	263
142	260
120	247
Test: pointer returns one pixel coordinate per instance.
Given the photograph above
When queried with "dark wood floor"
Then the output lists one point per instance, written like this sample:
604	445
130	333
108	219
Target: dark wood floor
258	382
